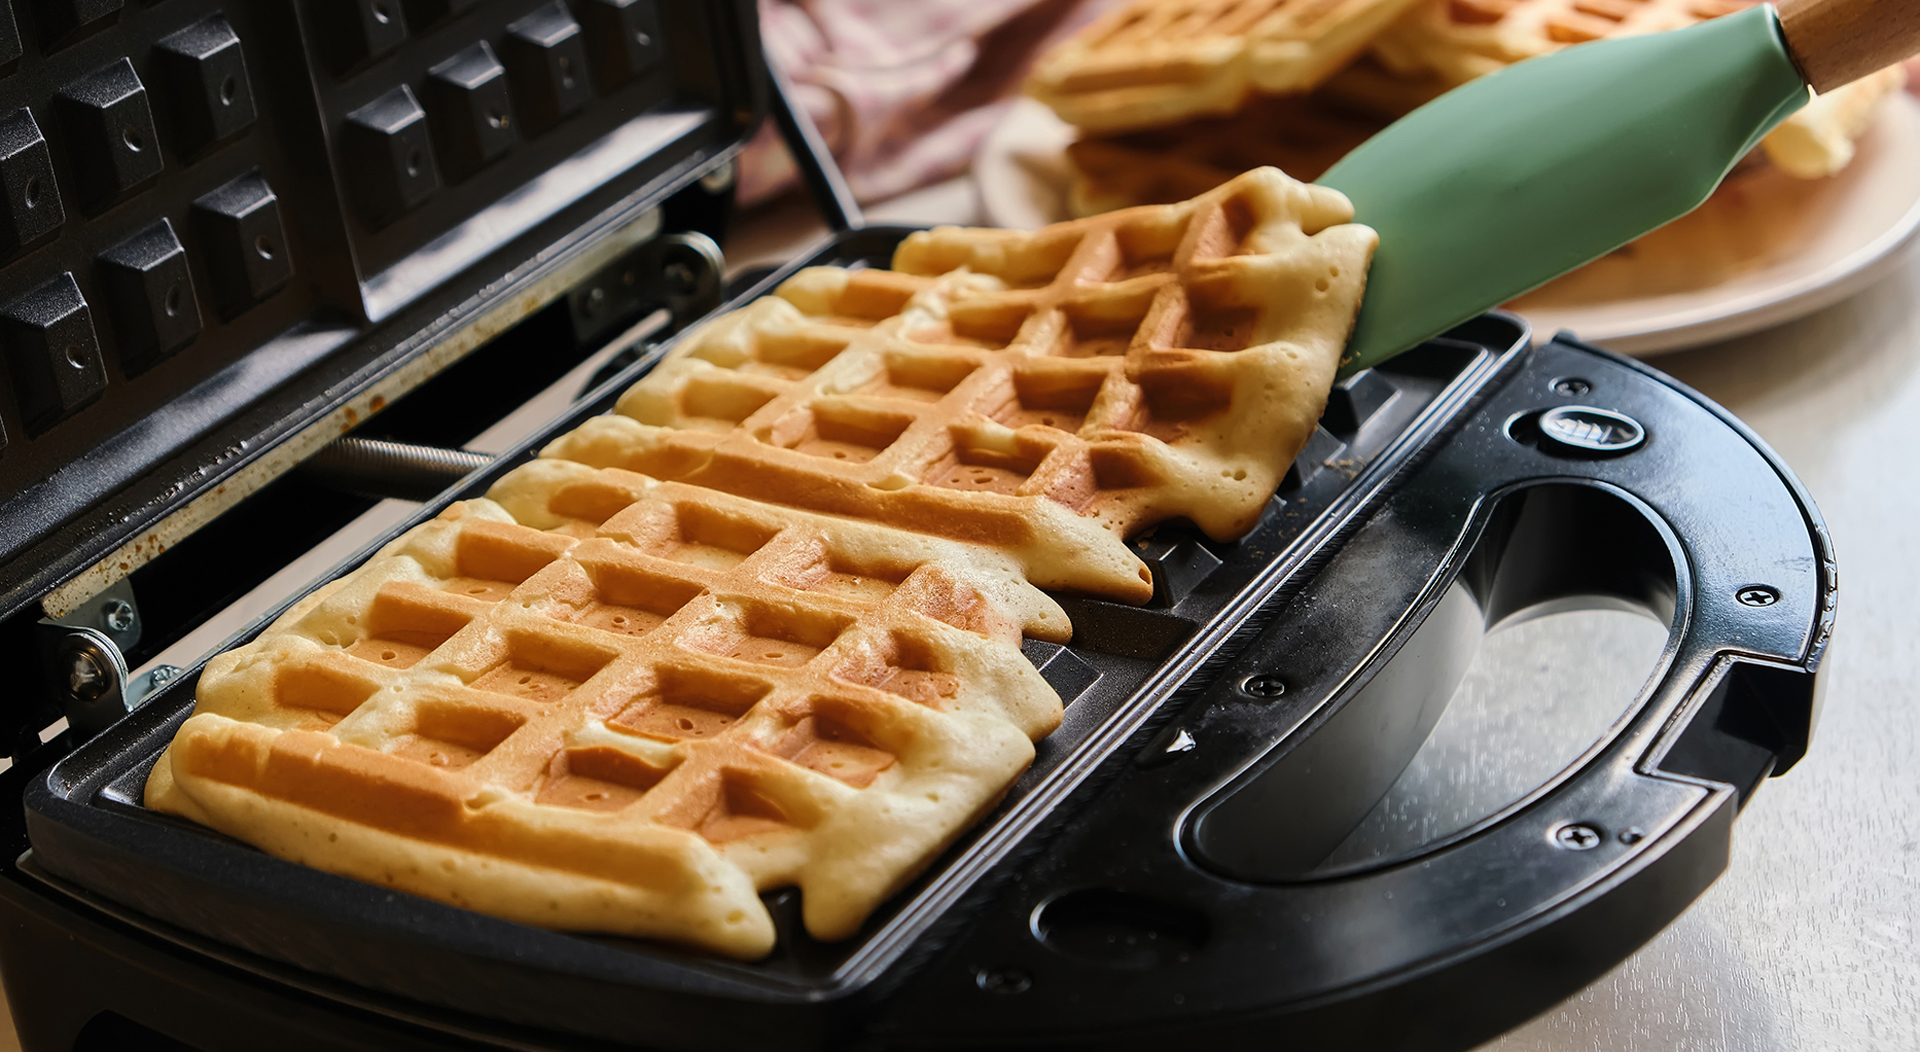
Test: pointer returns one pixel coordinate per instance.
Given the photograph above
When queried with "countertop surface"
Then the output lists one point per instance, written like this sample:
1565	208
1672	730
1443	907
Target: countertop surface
1809	940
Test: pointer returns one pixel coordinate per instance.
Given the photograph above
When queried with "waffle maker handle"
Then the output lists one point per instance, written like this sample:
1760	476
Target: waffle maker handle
1171	898
1616	487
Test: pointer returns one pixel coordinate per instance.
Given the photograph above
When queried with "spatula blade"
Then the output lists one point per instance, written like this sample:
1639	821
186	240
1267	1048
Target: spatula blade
1516	178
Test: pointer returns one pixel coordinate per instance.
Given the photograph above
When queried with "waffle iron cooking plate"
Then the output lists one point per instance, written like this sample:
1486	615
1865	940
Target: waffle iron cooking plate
1154	875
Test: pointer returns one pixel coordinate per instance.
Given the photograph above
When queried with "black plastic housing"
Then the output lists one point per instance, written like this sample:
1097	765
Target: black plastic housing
331	260
1086	909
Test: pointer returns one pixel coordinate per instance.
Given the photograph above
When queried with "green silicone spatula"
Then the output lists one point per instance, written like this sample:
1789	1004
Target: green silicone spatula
1516	178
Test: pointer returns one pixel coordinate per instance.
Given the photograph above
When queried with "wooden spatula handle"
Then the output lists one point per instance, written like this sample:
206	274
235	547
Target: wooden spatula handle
1837	41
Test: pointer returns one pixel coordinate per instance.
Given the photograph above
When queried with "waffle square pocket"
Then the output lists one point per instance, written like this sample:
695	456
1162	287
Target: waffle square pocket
630	721
1048	393
761	627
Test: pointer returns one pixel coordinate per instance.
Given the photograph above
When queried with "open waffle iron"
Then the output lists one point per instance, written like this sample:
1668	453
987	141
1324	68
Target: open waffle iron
1219	843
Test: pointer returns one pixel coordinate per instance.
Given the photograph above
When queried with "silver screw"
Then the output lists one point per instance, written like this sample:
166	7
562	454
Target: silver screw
1264	686
1758	595
1632	835
1571	386
118	615
1577	837
86	680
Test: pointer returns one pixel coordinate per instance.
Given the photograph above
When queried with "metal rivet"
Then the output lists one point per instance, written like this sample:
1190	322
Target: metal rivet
86	680
1632	835
1577	836
1265	685
1571	386
1003	980
117	614
1758	595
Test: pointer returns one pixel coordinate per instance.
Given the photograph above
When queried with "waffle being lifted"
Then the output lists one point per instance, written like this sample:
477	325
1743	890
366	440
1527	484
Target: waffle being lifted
1154	62
611	701
1045	393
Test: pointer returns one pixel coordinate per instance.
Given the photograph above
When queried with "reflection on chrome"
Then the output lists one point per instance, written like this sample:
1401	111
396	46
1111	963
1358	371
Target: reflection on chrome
1542	688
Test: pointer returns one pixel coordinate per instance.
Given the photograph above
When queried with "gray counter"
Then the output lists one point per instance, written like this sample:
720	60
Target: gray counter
1810	941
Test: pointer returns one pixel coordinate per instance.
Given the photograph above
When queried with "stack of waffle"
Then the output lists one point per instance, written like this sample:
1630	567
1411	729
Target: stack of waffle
1175	96
760	627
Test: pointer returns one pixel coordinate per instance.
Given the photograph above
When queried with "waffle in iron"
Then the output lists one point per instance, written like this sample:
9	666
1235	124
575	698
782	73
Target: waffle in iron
631	721
623	702
1048	393
1154	62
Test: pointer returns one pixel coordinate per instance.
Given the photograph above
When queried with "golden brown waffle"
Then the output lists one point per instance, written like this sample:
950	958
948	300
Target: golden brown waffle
624	702
1462	39
1368	88
1458	40
1045	393
629	711
1156	62
1302	135
1818	140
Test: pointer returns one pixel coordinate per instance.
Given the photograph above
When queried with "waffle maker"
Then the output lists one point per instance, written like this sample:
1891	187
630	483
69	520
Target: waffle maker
1224	842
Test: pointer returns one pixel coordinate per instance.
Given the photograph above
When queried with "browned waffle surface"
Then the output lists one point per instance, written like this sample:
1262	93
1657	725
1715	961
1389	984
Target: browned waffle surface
1463	39
761	627
630	716
1155	62
1458	40
1302	135
1045	394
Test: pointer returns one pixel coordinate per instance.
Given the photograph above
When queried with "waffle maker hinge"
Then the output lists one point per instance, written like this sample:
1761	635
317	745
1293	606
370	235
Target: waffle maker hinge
84	666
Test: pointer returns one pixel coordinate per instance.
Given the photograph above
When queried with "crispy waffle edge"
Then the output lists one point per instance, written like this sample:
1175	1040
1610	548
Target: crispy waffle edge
636	685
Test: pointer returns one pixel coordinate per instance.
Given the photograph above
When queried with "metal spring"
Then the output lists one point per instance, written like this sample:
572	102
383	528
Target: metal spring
373	467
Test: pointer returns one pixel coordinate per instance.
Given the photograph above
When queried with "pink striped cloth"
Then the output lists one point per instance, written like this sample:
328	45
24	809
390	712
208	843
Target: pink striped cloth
904	91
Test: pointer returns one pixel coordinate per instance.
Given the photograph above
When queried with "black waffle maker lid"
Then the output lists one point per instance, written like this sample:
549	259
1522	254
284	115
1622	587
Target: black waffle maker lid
233	231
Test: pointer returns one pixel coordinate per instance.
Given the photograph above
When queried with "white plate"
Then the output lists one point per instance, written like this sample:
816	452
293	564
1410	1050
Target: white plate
1766	249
